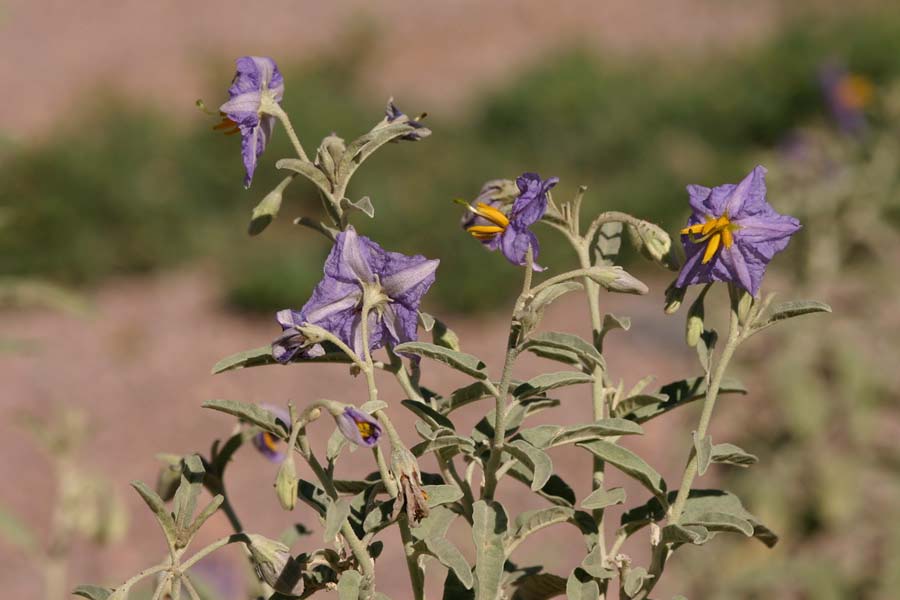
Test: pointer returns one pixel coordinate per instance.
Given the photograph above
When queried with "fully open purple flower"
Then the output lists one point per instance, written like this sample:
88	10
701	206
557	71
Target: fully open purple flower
256	84
358	427
733	233
510	232
269	445
358	273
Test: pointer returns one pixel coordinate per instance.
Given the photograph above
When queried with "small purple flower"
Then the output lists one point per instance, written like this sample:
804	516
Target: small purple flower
847	96
392	114
510	233
358	427
359	272
256	84
733	233
268	445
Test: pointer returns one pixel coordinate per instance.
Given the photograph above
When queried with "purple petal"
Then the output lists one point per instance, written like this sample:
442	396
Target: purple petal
514	245
406	279
354	258
269	445
531	204
256	73
748	196
358	427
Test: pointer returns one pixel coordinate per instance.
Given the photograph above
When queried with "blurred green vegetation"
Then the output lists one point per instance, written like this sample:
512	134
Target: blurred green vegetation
127	191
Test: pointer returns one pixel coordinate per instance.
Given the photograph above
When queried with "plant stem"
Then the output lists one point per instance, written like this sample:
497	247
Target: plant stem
274	109
202	553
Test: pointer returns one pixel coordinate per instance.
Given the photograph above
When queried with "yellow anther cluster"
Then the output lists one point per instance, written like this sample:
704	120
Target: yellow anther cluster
489	213
715	232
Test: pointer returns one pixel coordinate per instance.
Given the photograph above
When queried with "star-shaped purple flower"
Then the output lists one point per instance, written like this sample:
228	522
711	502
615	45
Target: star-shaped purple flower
269	445
357	272
733	233
358	427
256	84
510	233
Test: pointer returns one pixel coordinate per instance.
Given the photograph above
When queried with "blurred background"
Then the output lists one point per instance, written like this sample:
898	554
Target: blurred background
126	270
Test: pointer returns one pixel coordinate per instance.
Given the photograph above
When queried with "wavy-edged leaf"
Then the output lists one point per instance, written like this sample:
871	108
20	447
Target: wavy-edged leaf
428	414
450	556
629	463
568	342
549	381
456	442
488	531
308	170
362	147
348	585
364	205
678	393
789	310
163	516
468	364
536	459
601	498
92	592
534	520
732	455
598	429
685	534
463	396
251	413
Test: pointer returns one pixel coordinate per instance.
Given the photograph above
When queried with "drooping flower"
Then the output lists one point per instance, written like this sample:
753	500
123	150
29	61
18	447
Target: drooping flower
412	498
733	233
257	86
269	445
358	427
359	273
510	231
496	193
392	114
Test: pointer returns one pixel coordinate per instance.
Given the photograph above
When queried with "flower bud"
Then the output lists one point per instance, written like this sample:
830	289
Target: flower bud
694	322
265	211
269	558
653	242
286	484
617	279
674	298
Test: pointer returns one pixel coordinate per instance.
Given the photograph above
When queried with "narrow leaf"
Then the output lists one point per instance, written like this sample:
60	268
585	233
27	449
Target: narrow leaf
335	515
679	393
468	364
629	463
789	310
450	556
308	170
556	340
549	381
257	357
159	509
732	455
598	429
601	498
428	414
251	413
536	459
703	449
185	501
534	520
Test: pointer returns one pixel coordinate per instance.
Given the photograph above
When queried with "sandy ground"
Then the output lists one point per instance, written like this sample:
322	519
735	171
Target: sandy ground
140	368
56	51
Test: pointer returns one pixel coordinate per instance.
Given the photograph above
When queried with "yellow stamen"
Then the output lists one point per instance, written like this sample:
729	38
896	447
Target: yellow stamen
492	214
485	229
483	237
365	429
227	126
714	232
270	441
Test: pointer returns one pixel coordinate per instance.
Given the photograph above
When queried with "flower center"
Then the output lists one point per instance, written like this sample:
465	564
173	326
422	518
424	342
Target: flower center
365	430
487	232
227	126
270	441
714	232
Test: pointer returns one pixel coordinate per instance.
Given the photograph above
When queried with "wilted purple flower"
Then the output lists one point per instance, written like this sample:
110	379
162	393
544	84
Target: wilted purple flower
847	95
256	83
269	445
511	233
392	114
412	499
358	427
733	233
359	272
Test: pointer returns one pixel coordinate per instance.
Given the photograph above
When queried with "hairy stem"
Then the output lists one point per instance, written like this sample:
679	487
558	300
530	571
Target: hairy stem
275	110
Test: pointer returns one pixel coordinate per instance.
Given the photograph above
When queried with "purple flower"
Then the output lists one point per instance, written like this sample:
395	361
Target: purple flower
733	233
392	114
269	445
847	96
358	427
359	272
510	233
256	85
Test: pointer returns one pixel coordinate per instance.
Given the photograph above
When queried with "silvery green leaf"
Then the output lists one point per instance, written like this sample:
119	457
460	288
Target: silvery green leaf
706	344
444	336
459	443
463	396
534	520
537	460
567	342
679	393
488	532
732	455
251	413
593	564
634	402
611	323
373	406
428	414
381	515
555	490
308	170
292	534
258	357
640	386
720	521
435	524
185	501
159	509
581	586
468	364
314	496
265	212
442	494
364	205
634	581
17	533
547	295
549	381
539	586
335	515
205	514
598	429
348	585
608	242
685	534
628	462
364	146
426	321
169	476
92	592
789	310
540	436
450	556
601	498
336	443
703	449
564	356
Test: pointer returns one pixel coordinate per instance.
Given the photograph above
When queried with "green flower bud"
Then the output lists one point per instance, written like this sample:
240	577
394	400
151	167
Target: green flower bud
274	565
674	298
286	484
